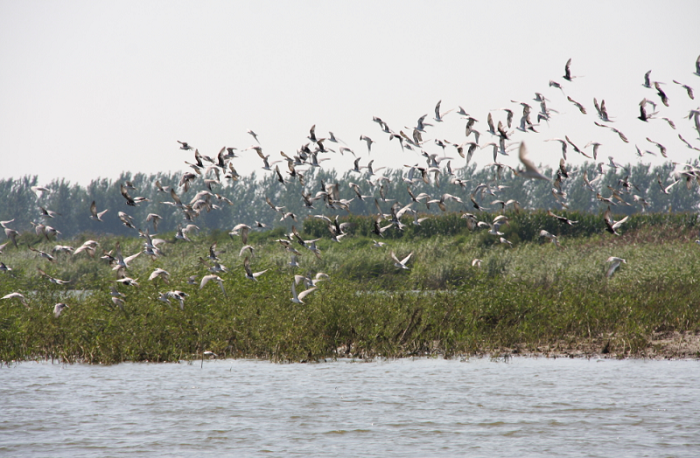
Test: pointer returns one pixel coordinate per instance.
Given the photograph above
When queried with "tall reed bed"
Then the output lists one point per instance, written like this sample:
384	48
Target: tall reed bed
531	297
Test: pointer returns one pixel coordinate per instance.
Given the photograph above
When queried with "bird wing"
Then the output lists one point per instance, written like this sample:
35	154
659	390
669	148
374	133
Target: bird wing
620	223
532	171
246	266
304	293
205	280
294	293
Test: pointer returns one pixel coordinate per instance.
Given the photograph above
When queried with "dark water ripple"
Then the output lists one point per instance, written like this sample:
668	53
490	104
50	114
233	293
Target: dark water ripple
405	408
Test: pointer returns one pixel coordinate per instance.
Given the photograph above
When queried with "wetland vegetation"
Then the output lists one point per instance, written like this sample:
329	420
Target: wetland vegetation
531	298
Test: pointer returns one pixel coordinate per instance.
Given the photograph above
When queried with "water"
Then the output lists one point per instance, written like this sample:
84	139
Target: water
405	408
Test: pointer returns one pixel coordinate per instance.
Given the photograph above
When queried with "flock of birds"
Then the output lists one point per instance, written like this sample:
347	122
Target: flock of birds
208	172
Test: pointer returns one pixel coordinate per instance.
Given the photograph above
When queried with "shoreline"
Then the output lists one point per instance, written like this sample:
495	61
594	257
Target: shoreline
665	346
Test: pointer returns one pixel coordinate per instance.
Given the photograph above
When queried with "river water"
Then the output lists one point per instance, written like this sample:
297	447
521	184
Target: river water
525	407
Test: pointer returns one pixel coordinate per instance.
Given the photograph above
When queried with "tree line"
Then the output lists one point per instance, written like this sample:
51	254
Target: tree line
243	199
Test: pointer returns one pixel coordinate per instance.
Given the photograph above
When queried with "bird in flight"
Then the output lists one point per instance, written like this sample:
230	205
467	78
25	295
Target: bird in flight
184	146
615	263
402	263
298	298
530	170
612	225
94	214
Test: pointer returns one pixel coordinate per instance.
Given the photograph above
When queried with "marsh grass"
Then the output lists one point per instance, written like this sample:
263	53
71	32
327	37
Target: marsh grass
533	297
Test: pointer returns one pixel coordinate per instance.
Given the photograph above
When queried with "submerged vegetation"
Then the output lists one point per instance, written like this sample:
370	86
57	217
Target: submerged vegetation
534	297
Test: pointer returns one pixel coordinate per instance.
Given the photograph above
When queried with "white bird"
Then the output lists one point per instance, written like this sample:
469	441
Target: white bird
40	191
179	296
155	218
249	274
369	142
615	264
11	234
216	278
504	240
42	254
530	169
294	262
164	298
439	116
19	296
552	237
416	220
612	225
297	298
159	273
184	146
310	281
333	138
254	135
401	264
62	249
245	248
58	308
55	281
89	246
242	230
123	263
377	244
128	281
118	302
45	213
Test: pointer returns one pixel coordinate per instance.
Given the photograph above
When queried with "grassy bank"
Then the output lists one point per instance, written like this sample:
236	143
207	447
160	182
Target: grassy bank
532	298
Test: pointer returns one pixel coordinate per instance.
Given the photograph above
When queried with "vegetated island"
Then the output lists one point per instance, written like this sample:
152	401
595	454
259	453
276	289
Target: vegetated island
463	294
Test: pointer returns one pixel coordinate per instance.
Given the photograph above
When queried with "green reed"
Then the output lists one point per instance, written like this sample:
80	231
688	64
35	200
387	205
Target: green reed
525	298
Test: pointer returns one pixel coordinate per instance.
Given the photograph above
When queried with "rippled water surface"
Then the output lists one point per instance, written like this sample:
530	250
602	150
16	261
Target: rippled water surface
428	407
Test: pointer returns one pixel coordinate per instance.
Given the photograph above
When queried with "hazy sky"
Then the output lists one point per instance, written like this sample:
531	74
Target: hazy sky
89	89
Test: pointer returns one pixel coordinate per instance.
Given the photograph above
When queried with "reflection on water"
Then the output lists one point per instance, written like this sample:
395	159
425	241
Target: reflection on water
428	407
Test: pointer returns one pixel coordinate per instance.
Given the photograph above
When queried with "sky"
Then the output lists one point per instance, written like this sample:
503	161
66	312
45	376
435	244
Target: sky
89	89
